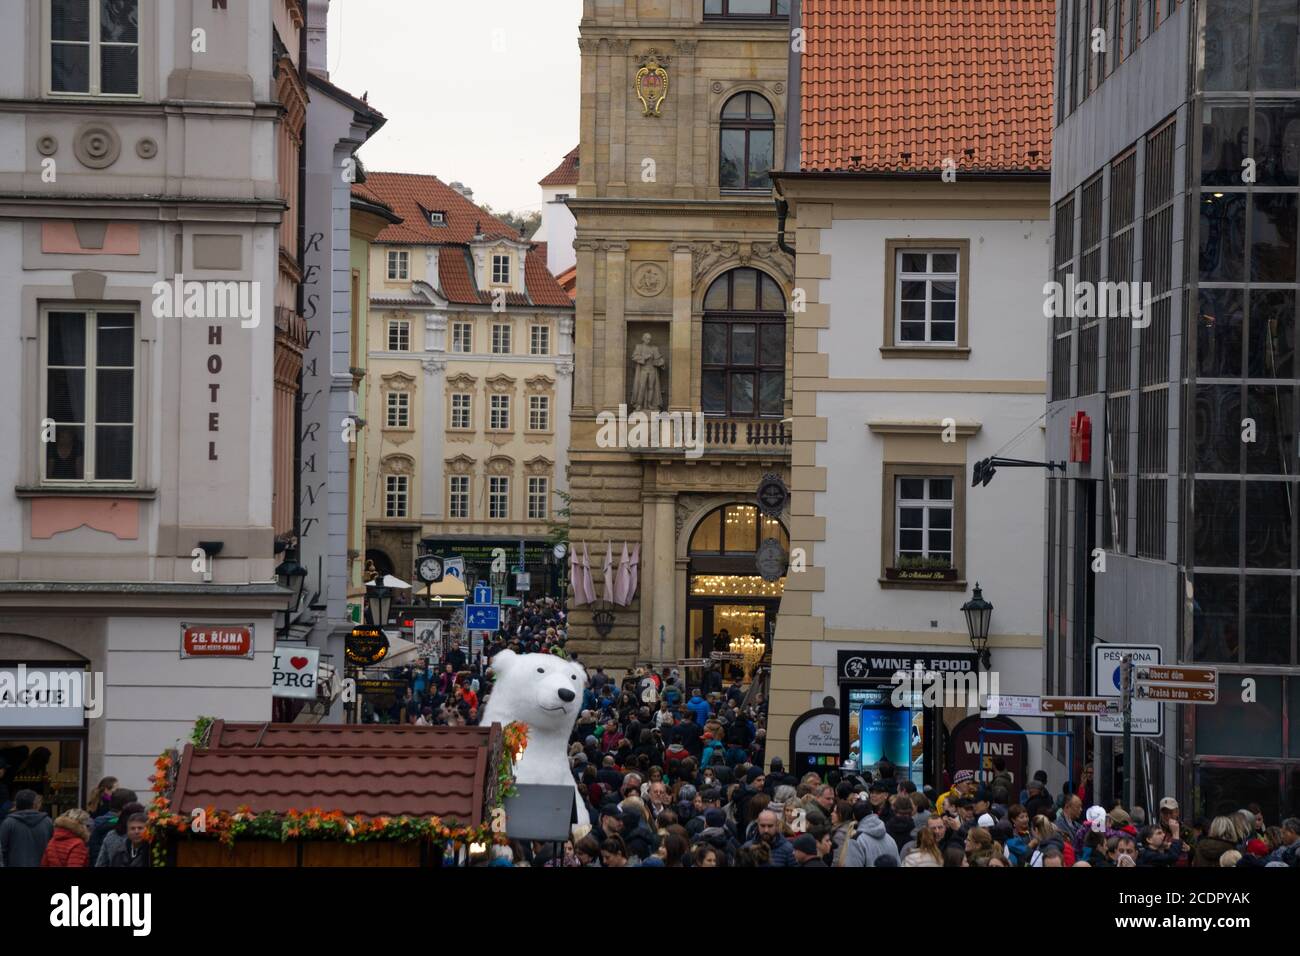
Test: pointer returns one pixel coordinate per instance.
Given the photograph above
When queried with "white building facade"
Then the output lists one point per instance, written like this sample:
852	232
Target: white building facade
137	546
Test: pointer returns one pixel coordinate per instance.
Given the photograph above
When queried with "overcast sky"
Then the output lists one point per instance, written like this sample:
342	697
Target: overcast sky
485	92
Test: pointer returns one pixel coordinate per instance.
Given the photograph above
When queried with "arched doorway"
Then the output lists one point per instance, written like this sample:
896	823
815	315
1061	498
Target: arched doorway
725	596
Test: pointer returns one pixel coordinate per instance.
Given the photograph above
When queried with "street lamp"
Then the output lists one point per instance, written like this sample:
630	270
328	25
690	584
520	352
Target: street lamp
291	576
978	613
379	600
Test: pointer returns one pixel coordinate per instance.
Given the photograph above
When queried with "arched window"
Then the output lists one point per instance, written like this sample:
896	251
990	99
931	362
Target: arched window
735	529
748	143
743	361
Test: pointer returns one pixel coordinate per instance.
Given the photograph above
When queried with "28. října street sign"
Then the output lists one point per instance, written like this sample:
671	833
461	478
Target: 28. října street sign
1077	706
1177	693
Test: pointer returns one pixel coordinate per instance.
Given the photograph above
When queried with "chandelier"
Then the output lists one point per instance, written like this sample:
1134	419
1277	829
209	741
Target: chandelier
751	650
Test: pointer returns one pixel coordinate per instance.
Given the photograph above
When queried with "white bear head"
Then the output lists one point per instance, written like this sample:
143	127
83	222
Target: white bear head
542	690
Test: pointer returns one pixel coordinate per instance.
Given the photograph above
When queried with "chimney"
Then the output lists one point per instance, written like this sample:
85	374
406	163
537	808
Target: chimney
317	44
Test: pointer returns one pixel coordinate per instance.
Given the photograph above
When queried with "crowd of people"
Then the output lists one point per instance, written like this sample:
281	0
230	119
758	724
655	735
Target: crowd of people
672	774
675	777
110	832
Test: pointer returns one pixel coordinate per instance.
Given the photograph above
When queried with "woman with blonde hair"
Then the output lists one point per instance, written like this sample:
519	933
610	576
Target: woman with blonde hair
926	852
1211	847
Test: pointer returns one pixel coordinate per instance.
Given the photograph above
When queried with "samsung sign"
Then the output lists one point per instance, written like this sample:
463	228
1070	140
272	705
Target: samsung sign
866	665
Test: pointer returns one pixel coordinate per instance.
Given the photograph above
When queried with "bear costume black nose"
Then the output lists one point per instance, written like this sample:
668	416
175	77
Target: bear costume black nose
566	695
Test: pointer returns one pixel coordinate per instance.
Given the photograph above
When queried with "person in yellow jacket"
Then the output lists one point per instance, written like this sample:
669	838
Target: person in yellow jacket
963	785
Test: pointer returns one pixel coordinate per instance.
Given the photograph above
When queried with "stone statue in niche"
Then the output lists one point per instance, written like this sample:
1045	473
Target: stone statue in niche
647	393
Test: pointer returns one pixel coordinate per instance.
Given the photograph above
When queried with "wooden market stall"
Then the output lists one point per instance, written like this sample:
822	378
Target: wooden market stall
306	795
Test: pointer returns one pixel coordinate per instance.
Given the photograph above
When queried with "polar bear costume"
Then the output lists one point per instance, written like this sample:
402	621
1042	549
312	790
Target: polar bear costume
544	692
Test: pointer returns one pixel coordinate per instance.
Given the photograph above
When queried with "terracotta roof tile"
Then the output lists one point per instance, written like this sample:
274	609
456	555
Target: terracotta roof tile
568	280
565	174
414	196
542	287
360	770
902	85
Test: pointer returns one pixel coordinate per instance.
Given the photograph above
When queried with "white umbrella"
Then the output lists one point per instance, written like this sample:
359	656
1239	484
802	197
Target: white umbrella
633	570
589	589
608	571
623	580
392	582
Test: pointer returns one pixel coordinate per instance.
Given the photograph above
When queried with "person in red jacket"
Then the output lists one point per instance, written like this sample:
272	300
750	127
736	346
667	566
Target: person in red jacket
67	846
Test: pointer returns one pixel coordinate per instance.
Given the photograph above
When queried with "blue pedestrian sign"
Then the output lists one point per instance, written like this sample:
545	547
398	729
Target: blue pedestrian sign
483	594
483	617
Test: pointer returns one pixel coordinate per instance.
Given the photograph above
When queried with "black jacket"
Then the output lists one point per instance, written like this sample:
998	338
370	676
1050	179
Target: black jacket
128	856
23	836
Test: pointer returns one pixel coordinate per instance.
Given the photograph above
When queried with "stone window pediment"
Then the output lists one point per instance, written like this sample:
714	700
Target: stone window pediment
399	465
500	465
398	382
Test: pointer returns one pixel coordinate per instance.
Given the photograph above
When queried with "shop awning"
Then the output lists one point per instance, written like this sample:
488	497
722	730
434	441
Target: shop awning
450	590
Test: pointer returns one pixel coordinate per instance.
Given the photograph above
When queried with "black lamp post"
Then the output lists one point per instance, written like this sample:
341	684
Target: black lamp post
979	613
291	576
379	600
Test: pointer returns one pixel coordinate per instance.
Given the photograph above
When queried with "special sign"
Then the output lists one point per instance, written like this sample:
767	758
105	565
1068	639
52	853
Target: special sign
217	640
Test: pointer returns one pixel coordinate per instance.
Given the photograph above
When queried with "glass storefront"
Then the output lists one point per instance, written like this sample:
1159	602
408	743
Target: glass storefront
51	766
725	598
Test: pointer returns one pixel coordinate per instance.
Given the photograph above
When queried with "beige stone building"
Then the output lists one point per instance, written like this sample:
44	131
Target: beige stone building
468	386
683	112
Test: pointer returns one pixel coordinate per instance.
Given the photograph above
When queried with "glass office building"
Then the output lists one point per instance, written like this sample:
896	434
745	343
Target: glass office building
1177	166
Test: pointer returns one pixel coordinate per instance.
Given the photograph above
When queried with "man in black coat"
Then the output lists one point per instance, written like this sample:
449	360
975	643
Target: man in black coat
687	733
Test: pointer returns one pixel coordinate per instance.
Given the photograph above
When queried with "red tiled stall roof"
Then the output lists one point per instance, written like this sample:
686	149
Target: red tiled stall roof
225	735
365	771
902	85
565	174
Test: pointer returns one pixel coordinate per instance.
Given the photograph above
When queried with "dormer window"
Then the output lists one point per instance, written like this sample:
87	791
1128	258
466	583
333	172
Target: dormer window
437	218
501	270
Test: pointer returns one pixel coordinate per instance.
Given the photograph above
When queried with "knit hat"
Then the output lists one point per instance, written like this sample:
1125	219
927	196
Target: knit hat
687	793
753	774
805	843
713	817
1257	848
986	820
963	776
